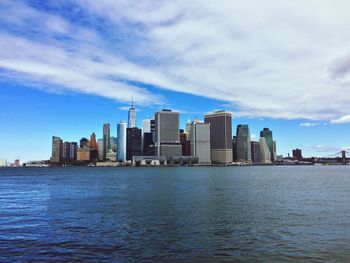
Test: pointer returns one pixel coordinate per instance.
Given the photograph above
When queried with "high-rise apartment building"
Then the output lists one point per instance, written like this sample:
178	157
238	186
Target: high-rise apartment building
57	149
256	156
66	151
121	141
106	139
220	136
200	141
265	155
73	151
167	135
133	143
243	144
132	116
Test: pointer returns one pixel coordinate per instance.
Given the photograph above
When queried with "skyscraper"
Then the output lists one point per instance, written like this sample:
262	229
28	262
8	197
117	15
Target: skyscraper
167	133
185	143
66	151
106	139
113	144
297	154
265	155
133	143
243	143
73	151
220	136
146	125
267	134
57	149
200	141
84	143
148	144
121	139
93	143
256	156
100	148
132	116
234	149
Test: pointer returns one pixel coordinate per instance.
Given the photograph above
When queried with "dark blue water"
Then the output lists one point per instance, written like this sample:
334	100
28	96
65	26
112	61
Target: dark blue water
175	214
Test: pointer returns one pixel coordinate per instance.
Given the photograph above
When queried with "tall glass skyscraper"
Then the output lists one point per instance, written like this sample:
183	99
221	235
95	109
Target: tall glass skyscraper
106	139
243	143
121	139
132	116
267	134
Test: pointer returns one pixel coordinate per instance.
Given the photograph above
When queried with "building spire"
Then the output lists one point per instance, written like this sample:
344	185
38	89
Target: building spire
132	102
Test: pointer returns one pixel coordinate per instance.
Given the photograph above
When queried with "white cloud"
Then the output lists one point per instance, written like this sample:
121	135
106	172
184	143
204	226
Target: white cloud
277	59
309	124
341	120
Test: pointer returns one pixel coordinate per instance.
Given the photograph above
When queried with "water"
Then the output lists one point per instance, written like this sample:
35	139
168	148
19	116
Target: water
269	214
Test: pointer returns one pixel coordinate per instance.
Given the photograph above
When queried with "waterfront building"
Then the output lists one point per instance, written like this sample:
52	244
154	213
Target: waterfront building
167	133
84	154
148	144
267	134
243	144
132	116
100	148
185	143
234	149
200	141
256	156
188	128
73	151
121	141
93	143
265	155
297	154
133	143
57	149
66	151
106	139
220	136
83	143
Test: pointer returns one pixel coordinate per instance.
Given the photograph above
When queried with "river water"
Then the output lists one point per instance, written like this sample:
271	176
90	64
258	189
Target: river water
265	214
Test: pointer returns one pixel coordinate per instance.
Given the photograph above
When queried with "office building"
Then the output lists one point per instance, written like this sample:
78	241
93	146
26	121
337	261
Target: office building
113	144
66	151
297	154
188	128
243	144
121	139
132	116
220	136
93	143
106	139
265	155
167	133
57	149
73	151
256	156
100	148
200	141
133	143
267	134
148	144
234	149
185	143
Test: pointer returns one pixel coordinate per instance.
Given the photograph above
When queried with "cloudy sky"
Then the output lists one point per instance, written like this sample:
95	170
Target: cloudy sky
69	66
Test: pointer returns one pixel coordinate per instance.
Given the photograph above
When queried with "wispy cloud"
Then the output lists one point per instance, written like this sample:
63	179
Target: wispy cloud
309	124
288	60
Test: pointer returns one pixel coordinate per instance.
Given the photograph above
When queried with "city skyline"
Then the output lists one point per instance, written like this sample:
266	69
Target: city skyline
71	66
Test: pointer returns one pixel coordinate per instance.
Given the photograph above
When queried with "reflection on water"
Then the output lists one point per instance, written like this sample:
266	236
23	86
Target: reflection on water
174	214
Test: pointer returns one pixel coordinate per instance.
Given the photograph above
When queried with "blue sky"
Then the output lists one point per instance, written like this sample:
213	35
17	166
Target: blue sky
68	66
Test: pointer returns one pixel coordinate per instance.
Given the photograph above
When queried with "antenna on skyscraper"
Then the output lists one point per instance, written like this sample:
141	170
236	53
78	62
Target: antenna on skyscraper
132	102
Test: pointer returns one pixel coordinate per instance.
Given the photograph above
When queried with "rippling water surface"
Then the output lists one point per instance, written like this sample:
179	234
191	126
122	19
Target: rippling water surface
175	214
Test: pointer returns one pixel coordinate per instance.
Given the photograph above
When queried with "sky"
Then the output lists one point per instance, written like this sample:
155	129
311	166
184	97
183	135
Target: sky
67	67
